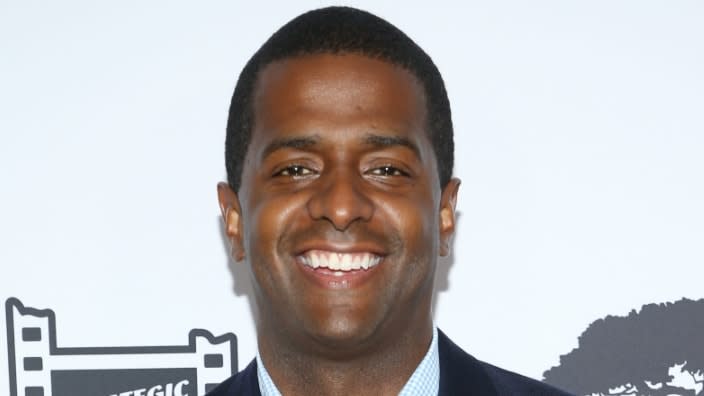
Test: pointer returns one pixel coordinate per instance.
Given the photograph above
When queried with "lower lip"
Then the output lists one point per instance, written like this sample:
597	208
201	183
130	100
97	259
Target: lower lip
332	279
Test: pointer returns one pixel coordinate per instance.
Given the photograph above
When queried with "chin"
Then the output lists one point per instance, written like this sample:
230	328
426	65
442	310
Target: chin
343	333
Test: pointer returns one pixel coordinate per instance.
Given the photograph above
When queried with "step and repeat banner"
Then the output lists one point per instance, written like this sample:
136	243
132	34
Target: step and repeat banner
579	254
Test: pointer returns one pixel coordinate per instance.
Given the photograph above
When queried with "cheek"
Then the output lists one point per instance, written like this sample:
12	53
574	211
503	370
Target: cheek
414	221
269	222
269	218
262	230
415	225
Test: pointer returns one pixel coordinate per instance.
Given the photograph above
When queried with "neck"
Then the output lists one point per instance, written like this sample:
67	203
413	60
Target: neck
381	367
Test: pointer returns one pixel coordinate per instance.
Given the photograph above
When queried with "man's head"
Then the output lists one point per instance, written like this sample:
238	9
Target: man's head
336	200
340	30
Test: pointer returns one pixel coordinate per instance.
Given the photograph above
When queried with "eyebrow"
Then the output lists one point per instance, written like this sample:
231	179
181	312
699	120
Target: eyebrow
303	142
381	141
300	142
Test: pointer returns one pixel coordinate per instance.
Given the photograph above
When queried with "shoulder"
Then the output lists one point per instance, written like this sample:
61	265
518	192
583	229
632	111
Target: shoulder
459	372
509	383
244	383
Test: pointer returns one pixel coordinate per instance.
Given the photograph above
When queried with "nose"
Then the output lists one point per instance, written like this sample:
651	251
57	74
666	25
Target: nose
341	200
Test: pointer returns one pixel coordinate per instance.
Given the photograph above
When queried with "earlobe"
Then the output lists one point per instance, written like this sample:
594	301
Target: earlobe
448	218
231	216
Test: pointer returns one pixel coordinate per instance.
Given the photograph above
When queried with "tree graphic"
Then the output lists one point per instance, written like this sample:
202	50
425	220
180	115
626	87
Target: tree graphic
658	351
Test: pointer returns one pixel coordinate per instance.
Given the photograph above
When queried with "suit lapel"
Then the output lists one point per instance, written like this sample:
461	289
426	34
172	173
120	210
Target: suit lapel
245	382
460	373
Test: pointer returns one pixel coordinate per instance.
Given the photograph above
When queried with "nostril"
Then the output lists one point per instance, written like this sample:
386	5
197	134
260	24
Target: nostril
341	203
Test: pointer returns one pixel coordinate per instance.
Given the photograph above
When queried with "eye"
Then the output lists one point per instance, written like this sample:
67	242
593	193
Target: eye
294	171
387	170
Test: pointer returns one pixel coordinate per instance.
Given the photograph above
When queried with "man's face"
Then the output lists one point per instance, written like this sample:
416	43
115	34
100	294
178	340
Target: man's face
339	215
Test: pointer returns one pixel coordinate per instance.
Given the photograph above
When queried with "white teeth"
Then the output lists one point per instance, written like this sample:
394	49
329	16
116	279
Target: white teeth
334	260
355	262
346	262
340	261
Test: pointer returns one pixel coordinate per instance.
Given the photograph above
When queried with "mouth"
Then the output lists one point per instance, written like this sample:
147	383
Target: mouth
338	270
340	262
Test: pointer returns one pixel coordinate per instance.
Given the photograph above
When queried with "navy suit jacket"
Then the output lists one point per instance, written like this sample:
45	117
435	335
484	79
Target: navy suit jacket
460	374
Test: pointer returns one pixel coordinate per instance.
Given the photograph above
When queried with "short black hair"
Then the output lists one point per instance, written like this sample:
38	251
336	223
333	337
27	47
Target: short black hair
340	30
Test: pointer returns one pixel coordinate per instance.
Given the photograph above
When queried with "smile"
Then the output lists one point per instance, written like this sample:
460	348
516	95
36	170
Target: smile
342	262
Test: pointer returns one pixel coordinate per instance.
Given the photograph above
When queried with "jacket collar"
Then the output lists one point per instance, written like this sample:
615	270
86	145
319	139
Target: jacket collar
460	373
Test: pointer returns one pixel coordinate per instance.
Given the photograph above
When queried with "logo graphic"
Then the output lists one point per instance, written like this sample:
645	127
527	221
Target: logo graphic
658	351
38	367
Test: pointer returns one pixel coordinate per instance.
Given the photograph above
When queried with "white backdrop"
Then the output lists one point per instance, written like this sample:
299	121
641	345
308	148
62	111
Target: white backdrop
579	134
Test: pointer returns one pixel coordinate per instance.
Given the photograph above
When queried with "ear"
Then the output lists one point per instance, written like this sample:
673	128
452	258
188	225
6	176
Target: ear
448	219
231	216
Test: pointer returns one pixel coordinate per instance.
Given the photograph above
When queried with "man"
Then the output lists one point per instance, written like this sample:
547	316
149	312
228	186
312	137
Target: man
339	199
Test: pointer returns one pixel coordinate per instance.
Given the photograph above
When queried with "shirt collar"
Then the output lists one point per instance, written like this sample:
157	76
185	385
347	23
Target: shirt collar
425	380
266	384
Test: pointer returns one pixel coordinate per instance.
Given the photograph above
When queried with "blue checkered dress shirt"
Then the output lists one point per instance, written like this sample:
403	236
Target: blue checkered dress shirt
425	380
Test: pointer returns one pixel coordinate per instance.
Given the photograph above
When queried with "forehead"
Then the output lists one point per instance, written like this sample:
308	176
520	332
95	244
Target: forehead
329	92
